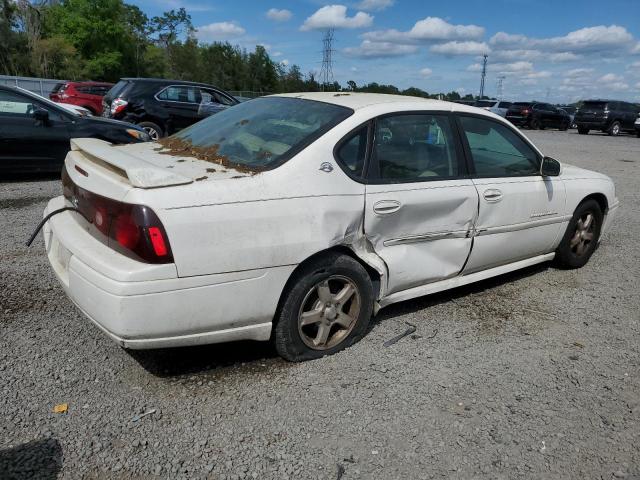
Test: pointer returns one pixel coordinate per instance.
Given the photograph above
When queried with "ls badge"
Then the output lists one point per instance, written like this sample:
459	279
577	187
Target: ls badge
326	167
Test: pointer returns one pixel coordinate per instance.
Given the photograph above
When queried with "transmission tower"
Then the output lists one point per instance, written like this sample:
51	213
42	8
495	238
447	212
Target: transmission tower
326	71
484	74
500	86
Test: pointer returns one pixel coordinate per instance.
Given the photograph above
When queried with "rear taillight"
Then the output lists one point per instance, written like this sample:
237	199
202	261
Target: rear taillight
118	105
133	230
525	111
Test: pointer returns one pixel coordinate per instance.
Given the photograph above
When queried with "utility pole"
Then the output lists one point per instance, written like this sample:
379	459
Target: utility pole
326	71
484	74
500	86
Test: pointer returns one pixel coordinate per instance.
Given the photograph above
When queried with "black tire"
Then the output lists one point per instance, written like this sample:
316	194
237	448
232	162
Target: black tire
564	127
614	129
291	340
150	128
567	254
583	131
534	124
638	134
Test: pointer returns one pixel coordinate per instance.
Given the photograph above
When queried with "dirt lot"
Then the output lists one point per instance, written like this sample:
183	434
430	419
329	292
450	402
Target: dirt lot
531	375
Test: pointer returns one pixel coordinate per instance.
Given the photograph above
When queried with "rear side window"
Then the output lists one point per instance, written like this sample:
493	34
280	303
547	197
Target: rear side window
60	87
416	147
497	151
180	94
504	105
353	151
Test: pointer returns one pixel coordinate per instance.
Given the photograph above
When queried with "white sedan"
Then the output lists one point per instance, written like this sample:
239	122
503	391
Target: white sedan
296	217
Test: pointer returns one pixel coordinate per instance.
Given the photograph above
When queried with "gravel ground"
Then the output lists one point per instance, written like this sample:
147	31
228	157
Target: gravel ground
530	375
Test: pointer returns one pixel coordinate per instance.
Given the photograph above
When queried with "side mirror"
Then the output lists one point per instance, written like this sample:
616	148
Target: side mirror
41	115
550	167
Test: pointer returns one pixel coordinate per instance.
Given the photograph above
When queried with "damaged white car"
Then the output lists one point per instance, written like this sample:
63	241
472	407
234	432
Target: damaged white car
295	217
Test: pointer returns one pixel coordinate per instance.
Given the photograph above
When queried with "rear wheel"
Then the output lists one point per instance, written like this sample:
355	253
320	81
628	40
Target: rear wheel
583	131
564	126
614	129
534	124
326	309
581	238
154	130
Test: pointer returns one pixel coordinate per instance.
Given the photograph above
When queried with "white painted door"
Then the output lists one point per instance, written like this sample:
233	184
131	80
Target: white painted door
520	212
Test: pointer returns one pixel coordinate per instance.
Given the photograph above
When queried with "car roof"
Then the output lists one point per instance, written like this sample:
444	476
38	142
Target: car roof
357	101
168	82
80	82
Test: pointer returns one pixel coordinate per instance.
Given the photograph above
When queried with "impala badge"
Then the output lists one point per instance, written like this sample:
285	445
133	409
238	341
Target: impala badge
326	167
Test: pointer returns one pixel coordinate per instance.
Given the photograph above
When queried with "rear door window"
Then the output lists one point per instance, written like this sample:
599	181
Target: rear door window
181	94
353	151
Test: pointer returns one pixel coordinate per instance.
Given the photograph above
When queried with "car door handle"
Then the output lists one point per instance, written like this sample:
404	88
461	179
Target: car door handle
492	195
386	207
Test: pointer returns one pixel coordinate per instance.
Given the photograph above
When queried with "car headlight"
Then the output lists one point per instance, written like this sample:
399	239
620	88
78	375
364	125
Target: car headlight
139	134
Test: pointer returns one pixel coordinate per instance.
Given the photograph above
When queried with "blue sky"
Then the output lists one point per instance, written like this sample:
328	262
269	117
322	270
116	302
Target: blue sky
556	50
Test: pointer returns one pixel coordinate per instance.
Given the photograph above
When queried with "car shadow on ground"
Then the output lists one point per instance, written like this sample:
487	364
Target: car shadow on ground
421	303
29	177
39	459
175	362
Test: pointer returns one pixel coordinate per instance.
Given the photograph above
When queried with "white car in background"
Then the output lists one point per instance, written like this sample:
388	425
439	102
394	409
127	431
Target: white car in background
296	217
499	107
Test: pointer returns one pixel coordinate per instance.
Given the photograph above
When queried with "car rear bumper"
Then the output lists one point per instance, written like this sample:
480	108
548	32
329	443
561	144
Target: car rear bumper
161	312
519	121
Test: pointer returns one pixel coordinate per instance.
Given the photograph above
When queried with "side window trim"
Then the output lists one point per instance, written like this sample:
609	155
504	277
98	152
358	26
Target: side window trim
362	178
372	166
467	149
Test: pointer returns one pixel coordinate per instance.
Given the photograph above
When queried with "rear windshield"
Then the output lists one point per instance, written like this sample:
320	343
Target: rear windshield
594	105
259	134
117	89
59	87
485	103
521	104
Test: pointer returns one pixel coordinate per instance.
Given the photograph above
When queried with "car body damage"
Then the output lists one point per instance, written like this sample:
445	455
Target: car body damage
240	233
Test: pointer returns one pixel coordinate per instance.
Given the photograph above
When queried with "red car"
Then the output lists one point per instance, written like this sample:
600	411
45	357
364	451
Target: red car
84	94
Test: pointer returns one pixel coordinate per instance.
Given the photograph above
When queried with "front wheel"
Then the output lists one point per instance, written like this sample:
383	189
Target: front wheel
580	239
326	308
534	124
583	131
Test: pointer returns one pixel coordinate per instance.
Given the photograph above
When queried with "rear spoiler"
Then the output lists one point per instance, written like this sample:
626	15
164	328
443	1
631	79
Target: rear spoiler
140	173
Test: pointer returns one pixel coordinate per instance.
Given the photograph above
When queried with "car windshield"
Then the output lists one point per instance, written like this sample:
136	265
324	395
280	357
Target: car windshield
50	102
259	134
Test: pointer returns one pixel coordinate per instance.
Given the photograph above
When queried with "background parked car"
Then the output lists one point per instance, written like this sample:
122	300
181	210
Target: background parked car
163	107
637	125
35	132
609	116
84	94
496	106
538	115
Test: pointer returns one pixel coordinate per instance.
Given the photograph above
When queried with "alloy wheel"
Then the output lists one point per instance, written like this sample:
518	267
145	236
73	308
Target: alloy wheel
583	235
329	312
153	133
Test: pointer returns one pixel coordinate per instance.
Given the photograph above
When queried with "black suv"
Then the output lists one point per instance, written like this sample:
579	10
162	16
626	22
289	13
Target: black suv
35	132
163	107
538	115
609	116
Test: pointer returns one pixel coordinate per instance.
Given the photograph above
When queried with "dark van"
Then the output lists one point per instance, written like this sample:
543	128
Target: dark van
608	116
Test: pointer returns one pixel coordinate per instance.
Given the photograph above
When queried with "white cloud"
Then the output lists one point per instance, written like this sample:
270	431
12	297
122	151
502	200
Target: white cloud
563	57
284	62
578	72
636	49
279	15
461	48
335	16
610	77
375	5
219	31
591	39
426	72
430	29
637	85
369	49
